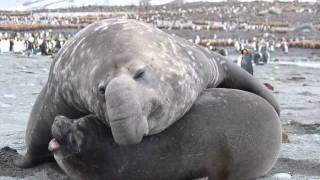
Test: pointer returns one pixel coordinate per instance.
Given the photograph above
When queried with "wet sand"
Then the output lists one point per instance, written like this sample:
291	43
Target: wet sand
296	85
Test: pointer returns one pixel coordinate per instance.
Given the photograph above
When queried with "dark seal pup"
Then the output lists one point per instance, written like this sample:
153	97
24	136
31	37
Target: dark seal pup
217	138
135	78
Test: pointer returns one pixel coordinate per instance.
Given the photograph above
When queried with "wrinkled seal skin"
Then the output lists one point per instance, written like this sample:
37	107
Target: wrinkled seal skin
135	78
216	138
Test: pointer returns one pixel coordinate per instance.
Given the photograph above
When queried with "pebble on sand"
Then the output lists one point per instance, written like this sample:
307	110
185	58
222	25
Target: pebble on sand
10	96
4	105
281	176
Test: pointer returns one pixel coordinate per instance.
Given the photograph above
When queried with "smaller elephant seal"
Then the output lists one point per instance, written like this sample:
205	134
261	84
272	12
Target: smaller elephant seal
221	142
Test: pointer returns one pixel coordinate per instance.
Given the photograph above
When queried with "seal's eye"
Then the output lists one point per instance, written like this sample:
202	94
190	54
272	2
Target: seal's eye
139	74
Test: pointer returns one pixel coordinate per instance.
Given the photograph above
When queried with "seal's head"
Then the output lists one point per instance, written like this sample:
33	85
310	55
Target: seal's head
141	84
76	143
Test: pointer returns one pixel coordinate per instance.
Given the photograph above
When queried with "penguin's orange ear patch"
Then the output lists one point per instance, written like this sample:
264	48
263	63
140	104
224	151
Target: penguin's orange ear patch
244	51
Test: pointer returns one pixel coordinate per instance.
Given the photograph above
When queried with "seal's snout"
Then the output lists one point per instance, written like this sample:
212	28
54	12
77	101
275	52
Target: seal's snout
60	127
53	145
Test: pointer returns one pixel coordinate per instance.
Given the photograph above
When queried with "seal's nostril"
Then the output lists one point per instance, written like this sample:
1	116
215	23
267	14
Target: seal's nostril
102	90
102	87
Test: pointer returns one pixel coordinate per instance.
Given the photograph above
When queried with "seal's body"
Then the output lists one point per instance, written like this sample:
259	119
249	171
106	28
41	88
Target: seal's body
135	78
220	141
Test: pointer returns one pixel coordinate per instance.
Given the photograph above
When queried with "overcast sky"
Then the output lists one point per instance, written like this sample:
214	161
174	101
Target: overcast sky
17	4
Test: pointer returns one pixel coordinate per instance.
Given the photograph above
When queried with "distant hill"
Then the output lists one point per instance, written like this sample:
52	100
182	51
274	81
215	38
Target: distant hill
56	4
65	4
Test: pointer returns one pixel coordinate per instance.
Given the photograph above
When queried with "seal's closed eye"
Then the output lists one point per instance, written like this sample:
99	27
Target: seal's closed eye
139	74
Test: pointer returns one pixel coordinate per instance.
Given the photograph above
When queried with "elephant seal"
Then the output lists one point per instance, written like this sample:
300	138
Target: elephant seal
216	138
135	78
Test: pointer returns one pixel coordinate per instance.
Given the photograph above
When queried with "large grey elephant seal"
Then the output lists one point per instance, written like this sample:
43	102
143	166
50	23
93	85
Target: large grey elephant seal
216	138
135	78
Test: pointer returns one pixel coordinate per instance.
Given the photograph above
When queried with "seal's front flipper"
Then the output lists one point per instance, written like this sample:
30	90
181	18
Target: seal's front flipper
38	134
28	161
237	78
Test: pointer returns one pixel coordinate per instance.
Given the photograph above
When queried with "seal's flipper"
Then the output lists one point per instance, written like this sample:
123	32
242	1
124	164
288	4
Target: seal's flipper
237	78
28	161
47	106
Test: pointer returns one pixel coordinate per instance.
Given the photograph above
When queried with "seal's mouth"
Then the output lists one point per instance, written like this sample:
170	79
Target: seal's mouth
53	145
60	150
